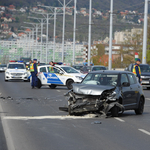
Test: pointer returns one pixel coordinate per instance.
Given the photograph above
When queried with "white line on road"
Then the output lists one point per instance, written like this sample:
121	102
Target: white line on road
58	90
144	131
148	99
47	117
119	119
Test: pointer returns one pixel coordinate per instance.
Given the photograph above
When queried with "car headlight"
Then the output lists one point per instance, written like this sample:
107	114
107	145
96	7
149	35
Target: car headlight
79	78
112	96
7	73
145	77
25	73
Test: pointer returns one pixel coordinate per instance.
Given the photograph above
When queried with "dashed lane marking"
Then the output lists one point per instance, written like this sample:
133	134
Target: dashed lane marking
119	119
144	131
58	90
148	99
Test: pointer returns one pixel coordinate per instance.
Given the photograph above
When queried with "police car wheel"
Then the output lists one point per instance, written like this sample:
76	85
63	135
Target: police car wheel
39	85
6	80
69	84
52	86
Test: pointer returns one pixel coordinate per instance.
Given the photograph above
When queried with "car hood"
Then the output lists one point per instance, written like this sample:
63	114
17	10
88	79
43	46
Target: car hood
145	73
79	74
86	89
16	70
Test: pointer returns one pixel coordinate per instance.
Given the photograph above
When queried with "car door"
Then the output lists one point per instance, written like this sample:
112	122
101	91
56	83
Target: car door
134	89
53	77
43	75
125	91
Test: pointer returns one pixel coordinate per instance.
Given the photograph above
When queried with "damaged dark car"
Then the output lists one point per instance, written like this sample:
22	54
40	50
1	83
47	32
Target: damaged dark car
106	92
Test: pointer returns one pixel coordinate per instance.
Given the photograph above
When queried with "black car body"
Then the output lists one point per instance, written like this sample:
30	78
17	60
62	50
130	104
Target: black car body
106	91
77	67
145	74
98	68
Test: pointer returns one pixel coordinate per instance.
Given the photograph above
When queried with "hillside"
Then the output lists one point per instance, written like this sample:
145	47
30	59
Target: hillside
97	4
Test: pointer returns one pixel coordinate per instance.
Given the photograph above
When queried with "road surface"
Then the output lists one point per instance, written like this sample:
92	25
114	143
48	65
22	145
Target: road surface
31	120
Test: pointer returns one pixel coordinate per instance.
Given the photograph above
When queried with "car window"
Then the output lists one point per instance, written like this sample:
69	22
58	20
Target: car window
145	68
124	78
98	68
43	69
16	66
101	79
53	70
132	79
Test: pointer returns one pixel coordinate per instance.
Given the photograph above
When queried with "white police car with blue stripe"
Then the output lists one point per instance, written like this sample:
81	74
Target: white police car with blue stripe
58	75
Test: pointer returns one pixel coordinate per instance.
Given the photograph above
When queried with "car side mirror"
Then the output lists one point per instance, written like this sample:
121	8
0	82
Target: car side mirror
61	73
125	84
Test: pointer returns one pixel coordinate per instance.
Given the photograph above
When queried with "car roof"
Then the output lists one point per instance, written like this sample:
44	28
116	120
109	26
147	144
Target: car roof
111	72
98	66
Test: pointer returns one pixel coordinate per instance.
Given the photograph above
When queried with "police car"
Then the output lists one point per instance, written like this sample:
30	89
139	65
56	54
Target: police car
16	71
61	75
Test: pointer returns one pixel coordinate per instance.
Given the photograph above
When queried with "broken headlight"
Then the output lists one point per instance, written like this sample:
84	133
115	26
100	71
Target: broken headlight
112	96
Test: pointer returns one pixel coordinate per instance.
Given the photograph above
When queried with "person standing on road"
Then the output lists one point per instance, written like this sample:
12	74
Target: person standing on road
137	70
33	70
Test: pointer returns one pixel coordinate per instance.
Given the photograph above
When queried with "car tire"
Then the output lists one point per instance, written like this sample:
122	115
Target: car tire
52	86
115	111
139	110
148	88
69	84
39	85
6	80
25	80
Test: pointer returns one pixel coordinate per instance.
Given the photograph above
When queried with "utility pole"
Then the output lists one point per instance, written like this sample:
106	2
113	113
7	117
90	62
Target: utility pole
145	33
74	31
110	36
54	40
90	23
63	36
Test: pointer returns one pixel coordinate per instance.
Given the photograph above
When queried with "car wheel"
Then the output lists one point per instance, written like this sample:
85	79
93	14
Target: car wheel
6	80
115	111
25	80
52	86
69	84
148	88
140	108
39	85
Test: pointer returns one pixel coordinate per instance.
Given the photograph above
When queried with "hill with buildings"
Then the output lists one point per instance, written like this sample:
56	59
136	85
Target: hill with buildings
97	4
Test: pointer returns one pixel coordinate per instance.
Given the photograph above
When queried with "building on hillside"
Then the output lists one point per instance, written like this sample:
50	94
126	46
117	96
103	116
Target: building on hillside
122	36
22	10
4	26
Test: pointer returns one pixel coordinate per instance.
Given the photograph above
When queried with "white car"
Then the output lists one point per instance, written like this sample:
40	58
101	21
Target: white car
63	75
16	71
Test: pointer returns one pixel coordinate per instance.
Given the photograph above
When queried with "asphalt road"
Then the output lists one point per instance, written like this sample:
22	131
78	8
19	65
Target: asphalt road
31	120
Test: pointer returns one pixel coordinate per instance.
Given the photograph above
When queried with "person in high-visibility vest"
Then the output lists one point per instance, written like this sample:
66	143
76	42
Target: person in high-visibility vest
34	71
137	70
51	69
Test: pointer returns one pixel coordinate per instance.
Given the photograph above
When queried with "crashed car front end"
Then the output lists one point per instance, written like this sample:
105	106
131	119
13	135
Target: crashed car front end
92	98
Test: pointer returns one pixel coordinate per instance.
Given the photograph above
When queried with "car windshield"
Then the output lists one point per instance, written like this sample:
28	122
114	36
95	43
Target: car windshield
101	79
16	66
3	65
98	68
69	70
77	67
145	68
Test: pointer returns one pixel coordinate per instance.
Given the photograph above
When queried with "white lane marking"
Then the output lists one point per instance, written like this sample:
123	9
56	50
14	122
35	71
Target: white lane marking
148	99
46	117
58	90
144	131
119	119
